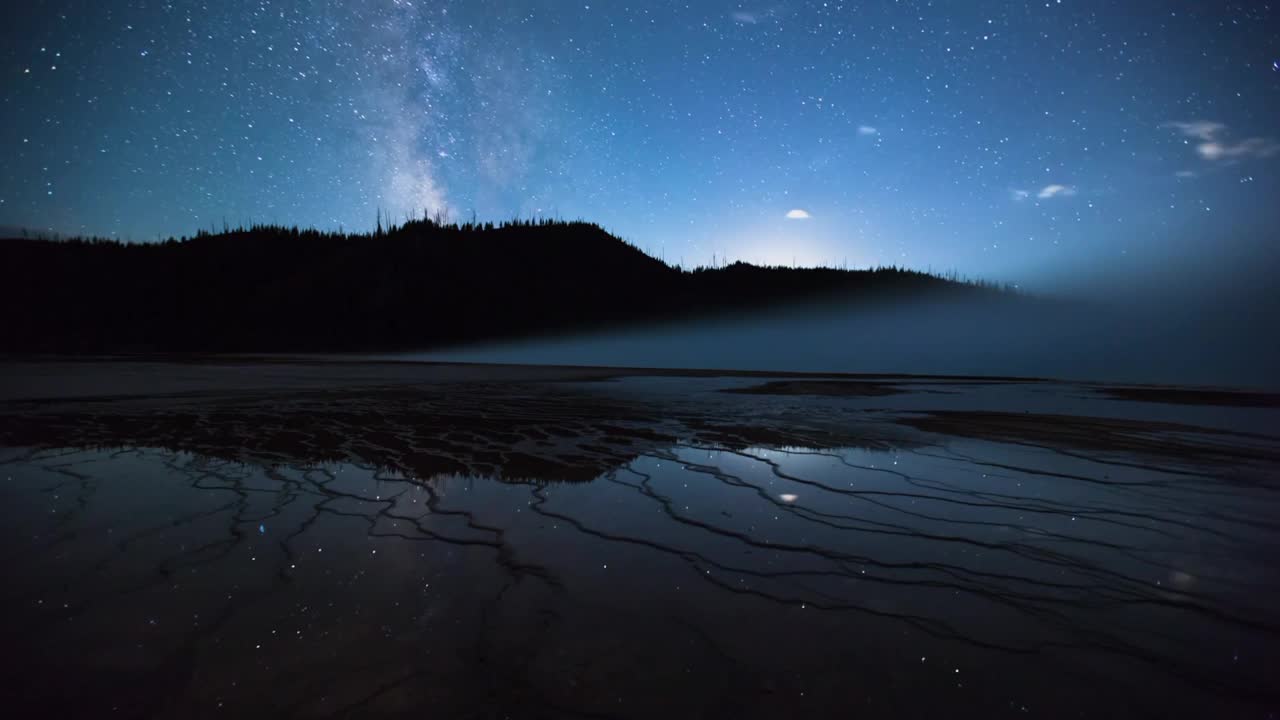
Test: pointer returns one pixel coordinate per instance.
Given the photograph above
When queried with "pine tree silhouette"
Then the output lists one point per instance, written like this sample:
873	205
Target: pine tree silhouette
426	283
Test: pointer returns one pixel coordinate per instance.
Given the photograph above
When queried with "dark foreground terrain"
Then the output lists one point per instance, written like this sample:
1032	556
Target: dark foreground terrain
306	539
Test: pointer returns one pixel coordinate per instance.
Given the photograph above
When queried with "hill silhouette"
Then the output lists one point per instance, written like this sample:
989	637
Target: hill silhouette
420	285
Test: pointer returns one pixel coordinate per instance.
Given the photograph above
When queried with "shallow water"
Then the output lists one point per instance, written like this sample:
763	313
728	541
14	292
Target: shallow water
692	574
689	579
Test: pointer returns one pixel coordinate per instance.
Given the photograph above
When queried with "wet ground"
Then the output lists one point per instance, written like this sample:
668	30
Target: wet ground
306	539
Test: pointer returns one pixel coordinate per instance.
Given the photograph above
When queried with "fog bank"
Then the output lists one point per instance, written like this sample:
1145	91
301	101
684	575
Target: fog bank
1215	327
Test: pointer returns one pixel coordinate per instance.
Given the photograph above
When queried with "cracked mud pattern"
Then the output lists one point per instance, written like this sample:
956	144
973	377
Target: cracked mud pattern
637	547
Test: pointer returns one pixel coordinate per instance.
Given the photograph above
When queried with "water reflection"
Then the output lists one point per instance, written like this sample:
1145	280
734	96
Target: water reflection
393	555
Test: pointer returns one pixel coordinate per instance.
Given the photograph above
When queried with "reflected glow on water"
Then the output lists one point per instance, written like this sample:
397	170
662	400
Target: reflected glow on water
692	578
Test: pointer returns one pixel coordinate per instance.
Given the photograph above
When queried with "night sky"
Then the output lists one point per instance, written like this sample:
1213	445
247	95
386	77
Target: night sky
1009	140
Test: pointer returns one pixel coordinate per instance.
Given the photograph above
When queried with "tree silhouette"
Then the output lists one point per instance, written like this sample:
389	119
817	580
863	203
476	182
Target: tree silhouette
424	284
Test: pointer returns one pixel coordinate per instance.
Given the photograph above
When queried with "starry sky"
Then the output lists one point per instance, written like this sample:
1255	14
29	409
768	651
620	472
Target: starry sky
1005	140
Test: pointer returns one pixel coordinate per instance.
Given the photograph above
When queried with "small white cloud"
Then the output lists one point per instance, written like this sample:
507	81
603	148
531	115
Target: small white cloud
1053	191
1213	148
1253	147
1210	150
798	214
746	18
788	498
1020	194
867	130
1185	174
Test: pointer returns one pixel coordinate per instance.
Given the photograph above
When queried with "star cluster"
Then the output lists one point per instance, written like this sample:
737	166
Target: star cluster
1001	139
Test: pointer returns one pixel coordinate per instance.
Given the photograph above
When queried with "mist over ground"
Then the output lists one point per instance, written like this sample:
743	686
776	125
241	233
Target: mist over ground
1197	325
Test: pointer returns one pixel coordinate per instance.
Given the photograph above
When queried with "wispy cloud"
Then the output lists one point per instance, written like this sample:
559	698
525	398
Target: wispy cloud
1048	192
798	214
1052	191
1202	129
754	17
1252	148
1213	147
867	130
